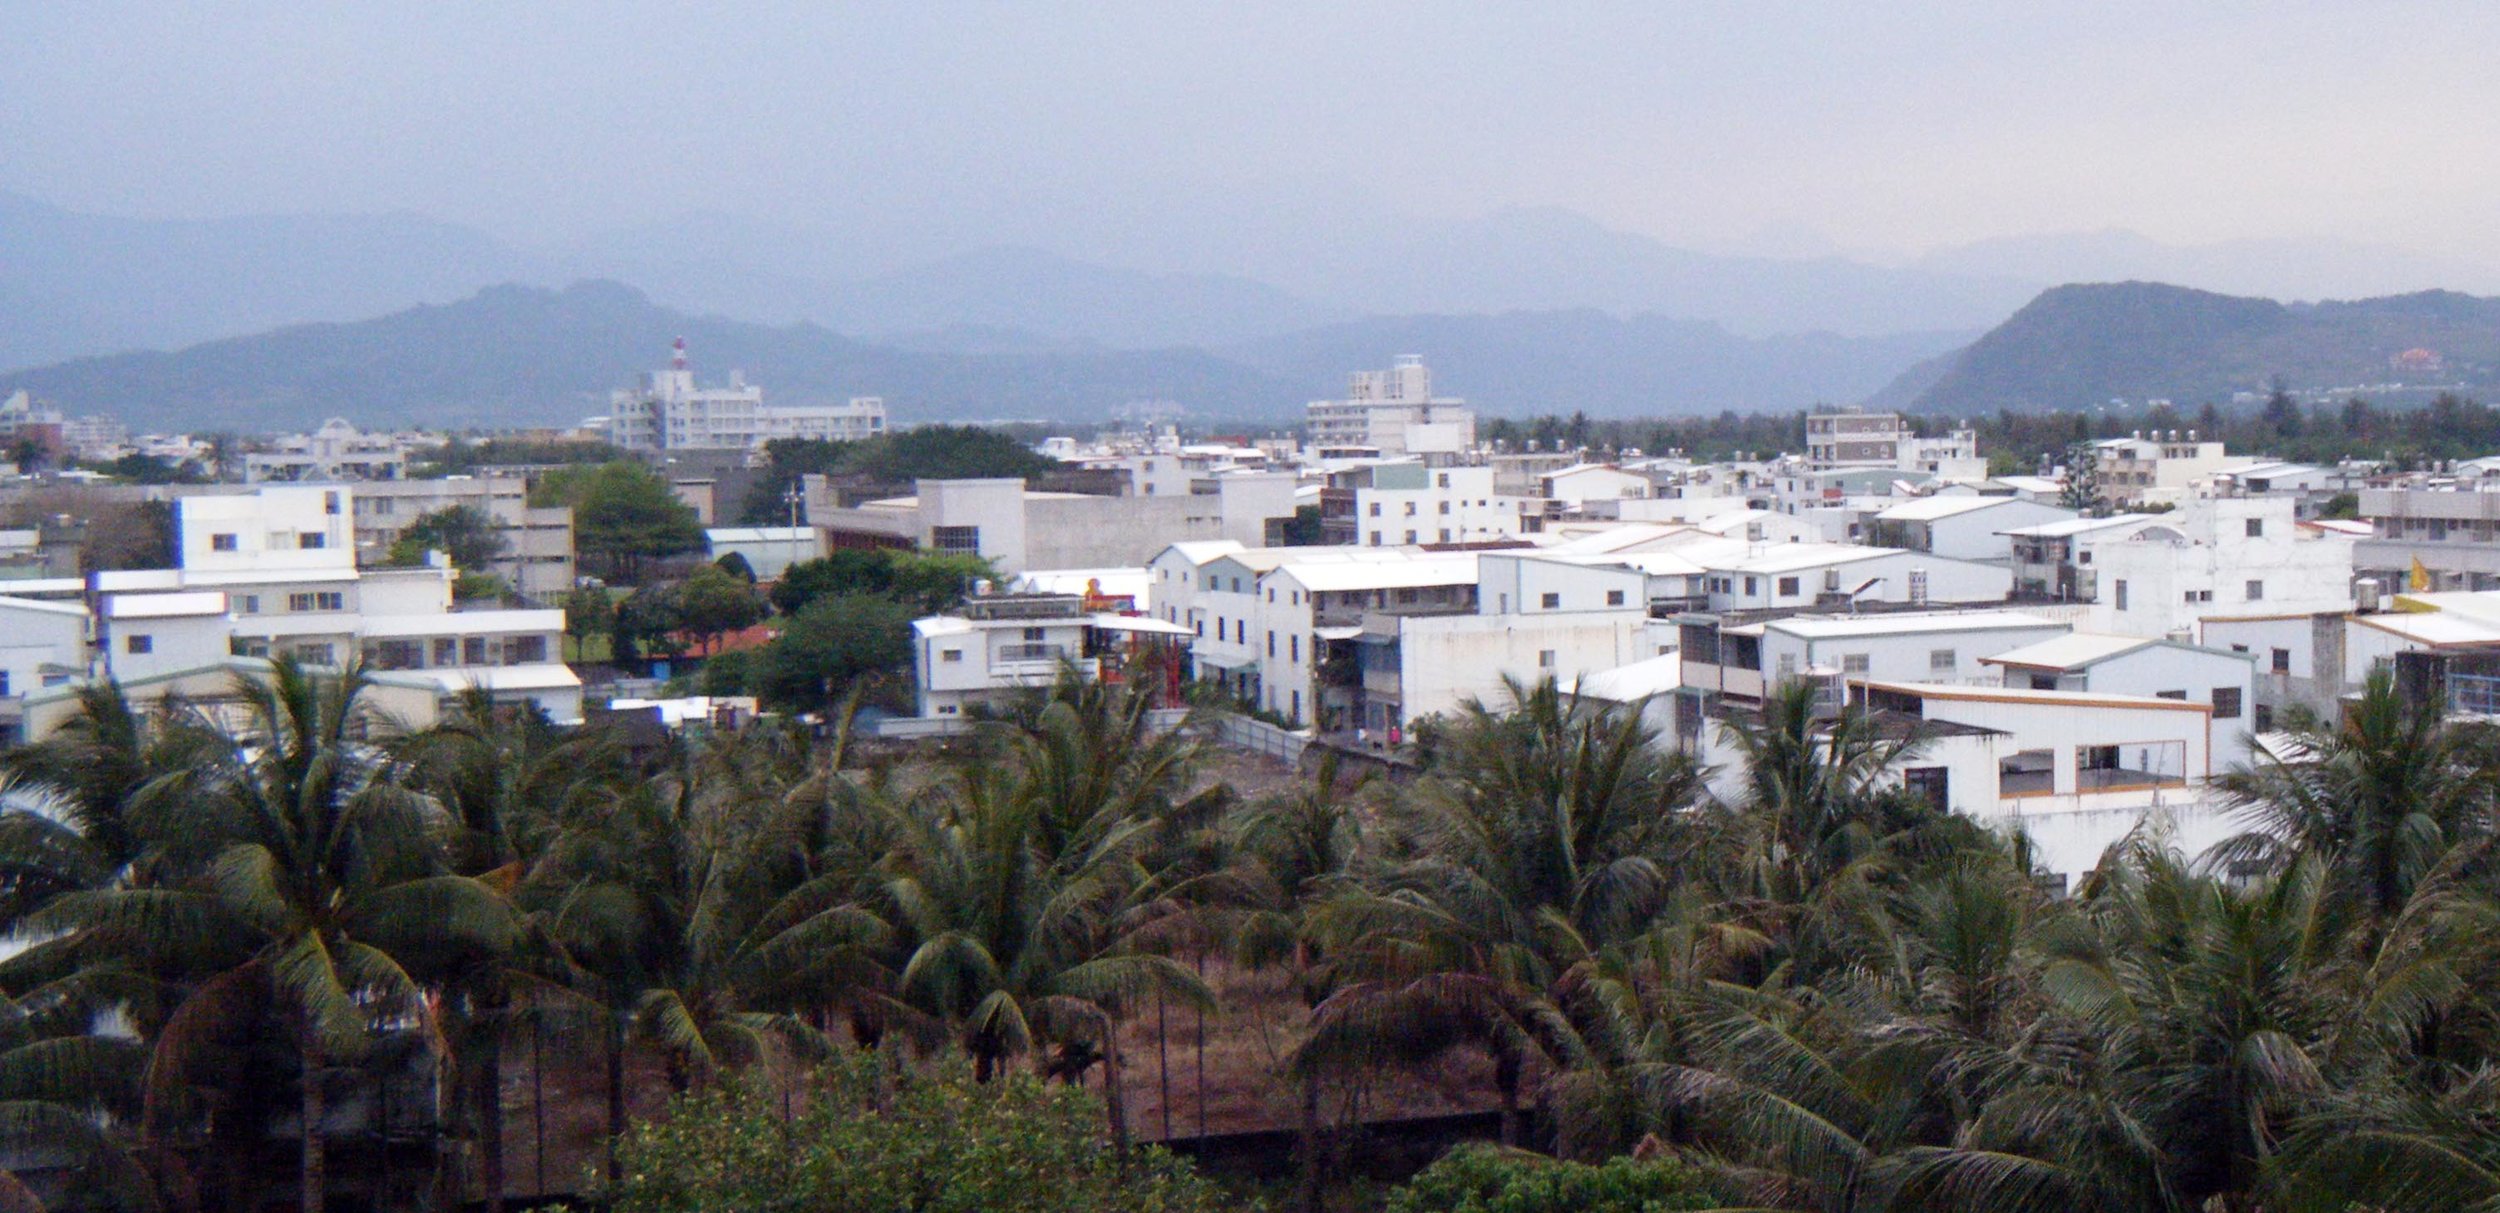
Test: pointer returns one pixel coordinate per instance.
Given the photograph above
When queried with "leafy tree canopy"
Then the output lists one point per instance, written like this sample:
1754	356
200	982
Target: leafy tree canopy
624	514
931	452
472	538
930	1140
831	644
927	581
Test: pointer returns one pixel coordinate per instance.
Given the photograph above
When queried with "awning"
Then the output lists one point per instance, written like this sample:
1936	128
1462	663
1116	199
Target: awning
1341	633
1140	623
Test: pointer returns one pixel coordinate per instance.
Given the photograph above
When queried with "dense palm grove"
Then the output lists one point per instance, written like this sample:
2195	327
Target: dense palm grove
1816	994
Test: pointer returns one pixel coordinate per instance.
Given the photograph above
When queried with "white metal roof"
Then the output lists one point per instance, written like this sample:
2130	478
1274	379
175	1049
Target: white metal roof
42	606
761	534
2073	651
1440	568
1931	509
1140	623
1825	627
1635	682
2443	629
2077	526
533	676
166	606
2021	695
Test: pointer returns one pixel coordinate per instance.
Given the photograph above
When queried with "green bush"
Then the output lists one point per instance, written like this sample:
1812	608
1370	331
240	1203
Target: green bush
1489	1179
872	1132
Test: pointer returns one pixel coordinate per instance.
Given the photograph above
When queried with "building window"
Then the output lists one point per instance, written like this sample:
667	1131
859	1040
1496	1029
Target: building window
2029	773
520	650
324	600
2256	528
950	656
2256	590
138	643
1271	646
955	538
248	604
1749	587
472	650
1545	659
309	540
1550	602
1410	509
1032	634
1854	663
446	650
1293	647
1445	507
1375	509
223	541
1788	587
2282	661
1614	598
2118	594
1944	660
2226	703
329	505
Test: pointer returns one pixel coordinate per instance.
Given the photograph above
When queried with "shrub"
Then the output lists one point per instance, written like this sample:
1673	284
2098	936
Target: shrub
873	1132
1489	1179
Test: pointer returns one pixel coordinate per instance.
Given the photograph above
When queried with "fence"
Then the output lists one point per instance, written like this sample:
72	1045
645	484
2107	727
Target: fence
1260	737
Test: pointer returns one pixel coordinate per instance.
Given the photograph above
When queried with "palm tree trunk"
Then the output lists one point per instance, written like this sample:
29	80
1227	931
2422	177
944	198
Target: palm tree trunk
313	1181
538	1101
1506	1080
1163	1064
494	1001
1310	1146
1118	1102
616	1090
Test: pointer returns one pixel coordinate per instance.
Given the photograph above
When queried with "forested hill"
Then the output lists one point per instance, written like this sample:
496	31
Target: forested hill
2081	346
525	356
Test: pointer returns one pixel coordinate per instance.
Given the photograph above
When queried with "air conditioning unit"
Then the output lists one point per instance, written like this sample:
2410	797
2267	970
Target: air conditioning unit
2365	595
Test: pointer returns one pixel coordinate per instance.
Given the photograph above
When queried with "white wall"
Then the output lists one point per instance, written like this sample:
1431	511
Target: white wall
1900	657
266	530
1446	659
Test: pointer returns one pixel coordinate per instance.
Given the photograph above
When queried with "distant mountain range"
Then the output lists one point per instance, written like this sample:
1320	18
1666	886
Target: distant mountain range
2083	346
523	356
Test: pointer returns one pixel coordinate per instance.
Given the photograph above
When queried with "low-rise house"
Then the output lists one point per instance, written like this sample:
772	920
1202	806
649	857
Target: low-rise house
1962	527
2221	679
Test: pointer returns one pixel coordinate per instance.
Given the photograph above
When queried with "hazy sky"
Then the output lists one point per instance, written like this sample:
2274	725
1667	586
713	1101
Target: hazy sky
1881	127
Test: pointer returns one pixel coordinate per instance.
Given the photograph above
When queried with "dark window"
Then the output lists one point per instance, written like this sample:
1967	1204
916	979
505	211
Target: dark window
2256	527
1614	598
2226	703
308	540
2282	661
1550	601
1930	784
1788	587
955	538
139	644
221	542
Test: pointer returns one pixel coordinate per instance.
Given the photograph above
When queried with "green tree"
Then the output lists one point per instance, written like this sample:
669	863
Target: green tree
879	1133
624	516
651	621
713	603
1488	1179
471	537
832	645
589	611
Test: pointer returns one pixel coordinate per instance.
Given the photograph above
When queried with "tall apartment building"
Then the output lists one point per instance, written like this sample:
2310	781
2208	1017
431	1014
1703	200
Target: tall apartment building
2450	526
667	412
537	560
1393	412
2156	465
1838	440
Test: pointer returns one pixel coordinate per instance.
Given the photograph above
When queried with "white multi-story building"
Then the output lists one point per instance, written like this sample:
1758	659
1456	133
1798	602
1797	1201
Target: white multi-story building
337	451
2221	679
1961	526
1392	412
2157	466
1409	503
273	573
995	645
2215	556
667	412
1019	529
537	561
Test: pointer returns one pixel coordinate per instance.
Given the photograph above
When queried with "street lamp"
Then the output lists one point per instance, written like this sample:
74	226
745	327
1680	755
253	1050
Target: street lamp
791	497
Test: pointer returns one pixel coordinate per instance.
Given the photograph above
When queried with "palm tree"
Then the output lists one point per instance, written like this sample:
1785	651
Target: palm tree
2382	795
1541	836
699	914
71	806
315	872
508	781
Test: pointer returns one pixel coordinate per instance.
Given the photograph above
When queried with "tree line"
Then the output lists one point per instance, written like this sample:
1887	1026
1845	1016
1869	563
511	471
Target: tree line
1816	992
